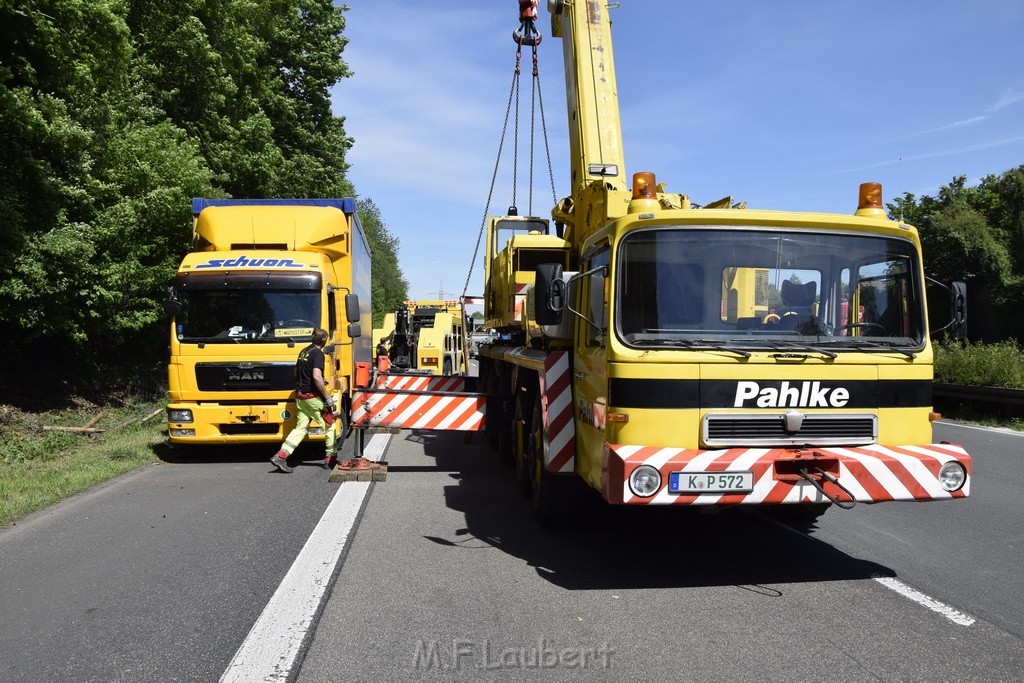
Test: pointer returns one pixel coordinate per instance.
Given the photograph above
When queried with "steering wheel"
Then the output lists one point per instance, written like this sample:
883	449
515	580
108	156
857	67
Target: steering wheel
850	326
293	322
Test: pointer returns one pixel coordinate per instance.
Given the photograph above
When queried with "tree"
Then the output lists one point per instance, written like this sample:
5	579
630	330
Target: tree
114	115
250	81
390	287
976	234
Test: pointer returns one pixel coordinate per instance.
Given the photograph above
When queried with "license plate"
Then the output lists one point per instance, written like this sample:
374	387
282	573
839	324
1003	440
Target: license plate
710	482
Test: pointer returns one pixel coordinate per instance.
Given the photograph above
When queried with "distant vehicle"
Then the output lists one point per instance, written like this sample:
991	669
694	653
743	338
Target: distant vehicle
425	337
478	338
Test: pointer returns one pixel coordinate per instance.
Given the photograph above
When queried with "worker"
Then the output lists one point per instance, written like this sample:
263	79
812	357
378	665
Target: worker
383	358
311	400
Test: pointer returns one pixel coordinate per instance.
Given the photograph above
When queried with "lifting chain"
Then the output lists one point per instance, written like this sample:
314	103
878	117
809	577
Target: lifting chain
527	34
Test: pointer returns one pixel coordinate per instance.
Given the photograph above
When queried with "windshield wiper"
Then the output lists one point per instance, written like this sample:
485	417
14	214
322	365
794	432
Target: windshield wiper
700	344
782	344
864	345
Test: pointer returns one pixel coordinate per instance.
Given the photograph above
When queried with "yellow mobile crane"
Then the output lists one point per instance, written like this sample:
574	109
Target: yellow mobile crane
672	354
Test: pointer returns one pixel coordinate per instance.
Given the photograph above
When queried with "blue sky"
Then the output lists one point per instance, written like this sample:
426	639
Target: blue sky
784	105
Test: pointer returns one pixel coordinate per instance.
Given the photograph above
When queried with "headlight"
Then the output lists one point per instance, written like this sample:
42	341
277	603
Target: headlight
182	432
315	431
179	415
952	476
645	481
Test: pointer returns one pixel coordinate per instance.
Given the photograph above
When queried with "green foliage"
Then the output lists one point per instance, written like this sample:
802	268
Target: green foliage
114	114
989	365
390	288
976	234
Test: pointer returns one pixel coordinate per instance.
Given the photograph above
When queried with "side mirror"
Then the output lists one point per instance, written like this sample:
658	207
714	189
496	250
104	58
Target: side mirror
171	306
352	307
959	309
550	294
354	330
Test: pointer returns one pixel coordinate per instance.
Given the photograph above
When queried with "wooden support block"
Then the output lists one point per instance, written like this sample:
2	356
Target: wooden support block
340	476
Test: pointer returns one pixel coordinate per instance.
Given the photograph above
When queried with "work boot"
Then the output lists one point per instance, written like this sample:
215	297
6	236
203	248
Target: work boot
280	461
330	460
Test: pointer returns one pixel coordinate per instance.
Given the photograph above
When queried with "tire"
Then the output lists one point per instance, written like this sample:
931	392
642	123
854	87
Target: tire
447	367
506	448
491	431
521	448
544	487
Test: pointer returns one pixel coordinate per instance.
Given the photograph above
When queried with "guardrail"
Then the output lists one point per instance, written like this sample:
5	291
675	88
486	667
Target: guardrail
966	392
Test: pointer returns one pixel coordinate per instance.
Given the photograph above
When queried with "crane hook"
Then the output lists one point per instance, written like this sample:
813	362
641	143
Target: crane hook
527	33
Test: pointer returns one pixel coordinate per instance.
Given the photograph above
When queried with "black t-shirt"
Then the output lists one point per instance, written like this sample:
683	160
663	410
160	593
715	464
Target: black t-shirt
309	358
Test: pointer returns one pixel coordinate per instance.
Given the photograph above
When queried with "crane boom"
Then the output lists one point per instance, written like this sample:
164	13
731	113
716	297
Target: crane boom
595	133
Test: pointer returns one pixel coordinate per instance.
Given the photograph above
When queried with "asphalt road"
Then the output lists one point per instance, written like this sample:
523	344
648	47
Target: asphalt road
155	576
969	554
160	575
449	579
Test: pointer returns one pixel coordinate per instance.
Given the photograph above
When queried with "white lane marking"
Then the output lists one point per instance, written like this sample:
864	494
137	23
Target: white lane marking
272	647
956	616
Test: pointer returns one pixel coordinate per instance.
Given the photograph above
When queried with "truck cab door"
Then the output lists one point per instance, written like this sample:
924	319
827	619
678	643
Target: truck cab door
590	370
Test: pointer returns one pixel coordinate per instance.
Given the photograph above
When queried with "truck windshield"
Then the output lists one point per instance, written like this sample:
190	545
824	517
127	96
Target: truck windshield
699	287
245	308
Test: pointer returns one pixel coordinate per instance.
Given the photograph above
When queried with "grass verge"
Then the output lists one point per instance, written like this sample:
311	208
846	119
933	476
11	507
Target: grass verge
39	467
982	365
981	415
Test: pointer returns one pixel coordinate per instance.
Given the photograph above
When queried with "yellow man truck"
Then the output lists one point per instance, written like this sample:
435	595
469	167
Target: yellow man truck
674	354
261	276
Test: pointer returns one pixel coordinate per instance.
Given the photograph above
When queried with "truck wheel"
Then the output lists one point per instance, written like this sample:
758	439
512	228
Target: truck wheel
493	422
522	448
506	448
545	487
447	367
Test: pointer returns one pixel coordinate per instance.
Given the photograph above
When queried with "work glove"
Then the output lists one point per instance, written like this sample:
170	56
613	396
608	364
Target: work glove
330	403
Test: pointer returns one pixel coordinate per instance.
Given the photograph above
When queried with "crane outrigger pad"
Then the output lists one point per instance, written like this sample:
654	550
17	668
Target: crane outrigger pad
340	475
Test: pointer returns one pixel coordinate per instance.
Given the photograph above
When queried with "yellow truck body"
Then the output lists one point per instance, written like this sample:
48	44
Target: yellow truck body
262	275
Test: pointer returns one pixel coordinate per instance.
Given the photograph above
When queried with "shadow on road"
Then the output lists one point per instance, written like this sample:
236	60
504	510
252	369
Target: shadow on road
308	453
599	546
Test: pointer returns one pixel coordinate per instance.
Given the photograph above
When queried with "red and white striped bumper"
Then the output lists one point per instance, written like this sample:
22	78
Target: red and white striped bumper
419	402
873	474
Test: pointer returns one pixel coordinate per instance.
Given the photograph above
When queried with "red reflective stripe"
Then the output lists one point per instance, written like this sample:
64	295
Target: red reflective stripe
872	486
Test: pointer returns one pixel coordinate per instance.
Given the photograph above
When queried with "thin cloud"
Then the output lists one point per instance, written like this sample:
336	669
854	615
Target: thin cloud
1008	98
934	155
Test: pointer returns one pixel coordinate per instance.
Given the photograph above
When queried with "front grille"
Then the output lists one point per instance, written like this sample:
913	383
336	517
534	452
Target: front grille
247	376
759	429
